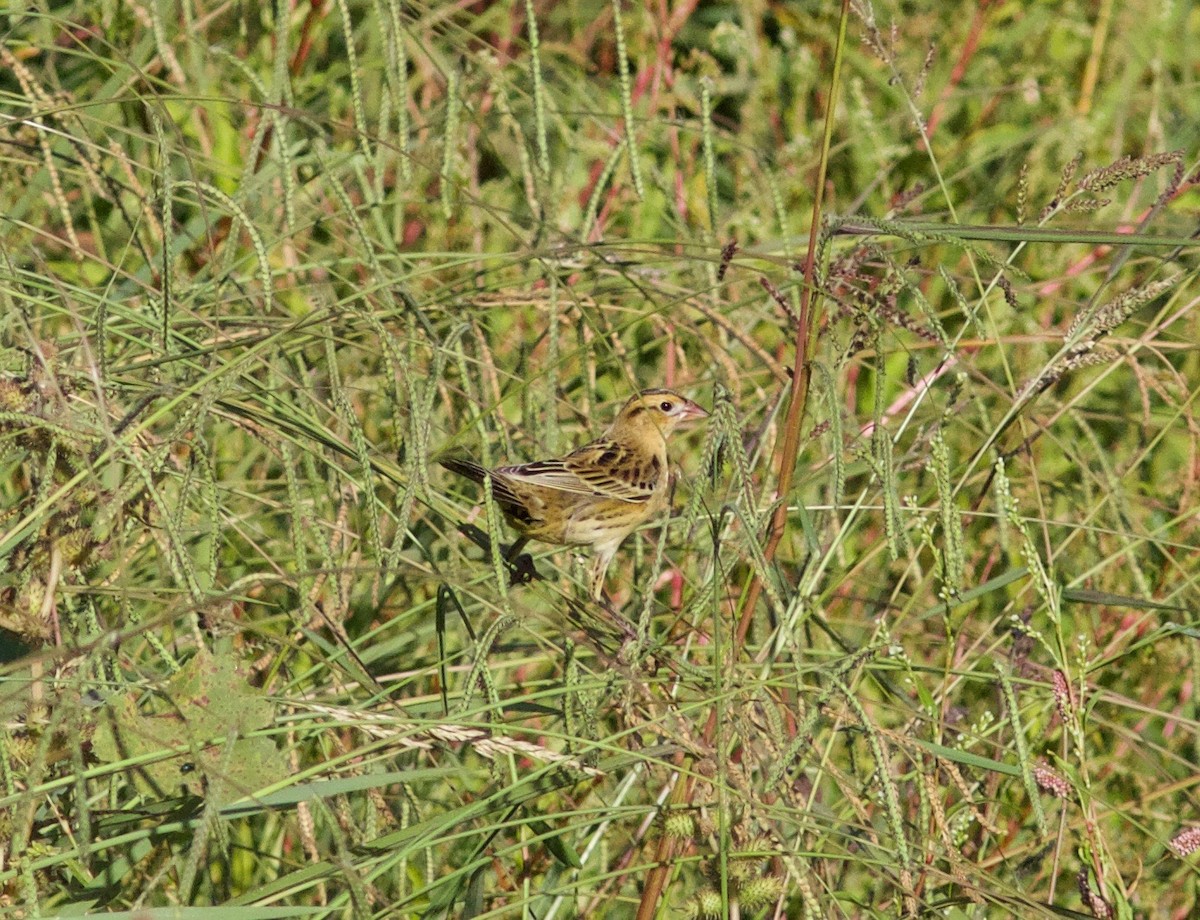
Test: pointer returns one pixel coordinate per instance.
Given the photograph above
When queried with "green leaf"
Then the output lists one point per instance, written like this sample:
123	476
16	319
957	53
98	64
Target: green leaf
1083	596
557	845
178	740
963	757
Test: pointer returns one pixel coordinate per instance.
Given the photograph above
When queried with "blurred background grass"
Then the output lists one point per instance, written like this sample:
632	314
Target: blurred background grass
261	263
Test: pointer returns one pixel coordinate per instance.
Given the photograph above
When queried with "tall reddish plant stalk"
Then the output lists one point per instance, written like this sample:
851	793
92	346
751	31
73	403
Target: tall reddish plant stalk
806	340
806	326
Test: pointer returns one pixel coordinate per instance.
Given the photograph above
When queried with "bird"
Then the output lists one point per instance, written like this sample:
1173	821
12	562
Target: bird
597	494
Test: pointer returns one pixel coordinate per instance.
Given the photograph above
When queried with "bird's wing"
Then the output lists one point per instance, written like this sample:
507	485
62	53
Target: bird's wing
547	474
603	468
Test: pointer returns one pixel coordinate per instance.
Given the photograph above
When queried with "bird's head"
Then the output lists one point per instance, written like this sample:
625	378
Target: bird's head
660	411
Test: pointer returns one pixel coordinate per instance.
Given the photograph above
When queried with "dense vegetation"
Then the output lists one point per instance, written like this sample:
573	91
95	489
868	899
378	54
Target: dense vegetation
920	634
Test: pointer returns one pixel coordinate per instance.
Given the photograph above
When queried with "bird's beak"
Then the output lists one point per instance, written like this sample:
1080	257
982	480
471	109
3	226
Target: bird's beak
691	411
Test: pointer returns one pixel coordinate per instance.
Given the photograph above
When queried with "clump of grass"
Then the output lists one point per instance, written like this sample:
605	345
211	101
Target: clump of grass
917	637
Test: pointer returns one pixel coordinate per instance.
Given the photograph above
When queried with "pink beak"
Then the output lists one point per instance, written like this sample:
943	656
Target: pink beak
690	411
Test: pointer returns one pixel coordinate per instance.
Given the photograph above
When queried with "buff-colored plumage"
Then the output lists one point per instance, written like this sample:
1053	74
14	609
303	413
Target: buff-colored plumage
598	494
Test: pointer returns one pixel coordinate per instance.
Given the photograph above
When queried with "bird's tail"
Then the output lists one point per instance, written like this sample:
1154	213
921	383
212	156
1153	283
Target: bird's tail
464	467
510	502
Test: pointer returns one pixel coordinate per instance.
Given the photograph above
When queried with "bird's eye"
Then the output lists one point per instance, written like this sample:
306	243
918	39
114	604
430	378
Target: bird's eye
666	405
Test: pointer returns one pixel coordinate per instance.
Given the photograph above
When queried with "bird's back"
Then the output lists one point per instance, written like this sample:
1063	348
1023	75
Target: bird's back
596	494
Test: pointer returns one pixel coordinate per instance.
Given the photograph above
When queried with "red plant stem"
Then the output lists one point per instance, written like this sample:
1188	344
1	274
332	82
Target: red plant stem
656	878
960	66
806	326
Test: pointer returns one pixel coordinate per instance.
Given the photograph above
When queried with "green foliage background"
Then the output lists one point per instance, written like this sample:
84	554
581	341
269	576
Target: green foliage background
260	264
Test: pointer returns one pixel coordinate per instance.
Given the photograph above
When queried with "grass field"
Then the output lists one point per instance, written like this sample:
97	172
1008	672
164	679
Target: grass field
920	635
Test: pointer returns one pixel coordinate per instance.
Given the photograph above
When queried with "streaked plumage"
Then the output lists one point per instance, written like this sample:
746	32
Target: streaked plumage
598	494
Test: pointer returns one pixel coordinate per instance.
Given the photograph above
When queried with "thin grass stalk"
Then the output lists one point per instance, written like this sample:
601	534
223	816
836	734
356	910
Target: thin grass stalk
592	210
167	222
635	166
450	144
1024	760
539	98
356	90
710	156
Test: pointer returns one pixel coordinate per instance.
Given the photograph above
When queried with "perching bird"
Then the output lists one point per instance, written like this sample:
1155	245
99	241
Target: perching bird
598	494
